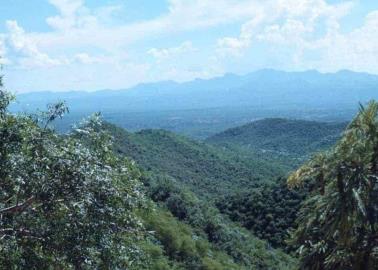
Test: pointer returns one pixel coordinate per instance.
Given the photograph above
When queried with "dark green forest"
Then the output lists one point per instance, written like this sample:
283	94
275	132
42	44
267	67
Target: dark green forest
101	197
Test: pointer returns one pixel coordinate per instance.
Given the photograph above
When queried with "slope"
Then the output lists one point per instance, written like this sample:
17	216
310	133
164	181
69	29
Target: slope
293	139
184	177
206	170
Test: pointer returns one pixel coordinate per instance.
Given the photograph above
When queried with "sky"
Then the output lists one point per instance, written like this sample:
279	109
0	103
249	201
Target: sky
68	45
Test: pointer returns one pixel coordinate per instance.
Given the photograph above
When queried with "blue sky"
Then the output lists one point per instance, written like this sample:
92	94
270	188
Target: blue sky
88	45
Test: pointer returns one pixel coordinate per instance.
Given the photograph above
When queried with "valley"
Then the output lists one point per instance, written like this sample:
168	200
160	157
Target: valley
226	182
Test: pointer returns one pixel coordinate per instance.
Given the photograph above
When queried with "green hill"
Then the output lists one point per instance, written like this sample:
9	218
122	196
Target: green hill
185	178
227	189
206	170
293	140
269	210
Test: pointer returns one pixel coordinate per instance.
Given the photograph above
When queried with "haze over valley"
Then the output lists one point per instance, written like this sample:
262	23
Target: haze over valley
201	108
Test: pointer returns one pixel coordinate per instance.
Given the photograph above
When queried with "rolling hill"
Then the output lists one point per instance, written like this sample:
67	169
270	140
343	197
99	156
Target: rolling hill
235	178
186	178
296	139
206	170
269	211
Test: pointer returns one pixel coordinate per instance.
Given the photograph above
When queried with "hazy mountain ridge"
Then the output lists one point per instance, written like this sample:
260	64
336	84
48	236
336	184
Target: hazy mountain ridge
260	88
202	108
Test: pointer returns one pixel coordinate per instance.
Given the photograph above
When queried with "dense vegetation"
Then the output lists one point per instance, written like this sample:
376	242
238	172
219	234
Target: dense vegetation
206	220
206	170
63	205
338	223
287	141
181	247
179	176
268	211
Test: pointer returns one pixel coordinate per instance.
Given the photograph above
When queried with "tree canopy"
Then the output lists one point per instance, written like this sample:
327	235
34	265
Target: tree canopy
62	204
338	223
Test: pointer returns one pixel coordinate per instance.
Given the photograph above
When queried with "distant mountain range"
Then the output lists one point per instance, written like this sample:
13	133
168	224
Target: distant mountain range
260	88
201	108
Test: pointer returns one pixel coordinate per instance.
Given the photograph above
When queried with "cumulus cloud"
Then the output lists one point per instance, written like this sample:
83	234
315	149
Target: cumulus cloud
76	25
284	22
167	53
235	46
356	50
86	59
22	43
72	14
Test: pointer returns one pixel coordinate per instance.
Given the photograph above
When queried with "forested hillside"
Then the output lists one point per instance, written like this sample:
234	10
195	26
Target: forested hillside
291	141
181	175
243	183
204	169
270	210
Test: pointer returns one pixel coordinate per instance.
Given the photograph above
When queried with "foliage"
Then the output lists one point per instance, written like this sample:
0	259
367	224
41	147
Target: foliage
287	142
209	229
206	170
268	211
184	248
63	205
245	249
337	226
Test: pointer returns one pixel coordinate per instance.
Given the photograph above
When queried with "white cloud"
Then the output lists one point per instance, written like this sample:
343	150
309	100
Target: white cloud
284	21
167	53
235	46
356	50
72	14
22	43
291	31
187	15
77	26
67	8
86	59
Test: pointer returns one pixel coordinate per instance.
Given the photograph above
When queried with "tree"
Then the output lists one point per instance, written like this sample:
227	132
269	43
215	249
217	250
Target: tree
63	204
338	223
